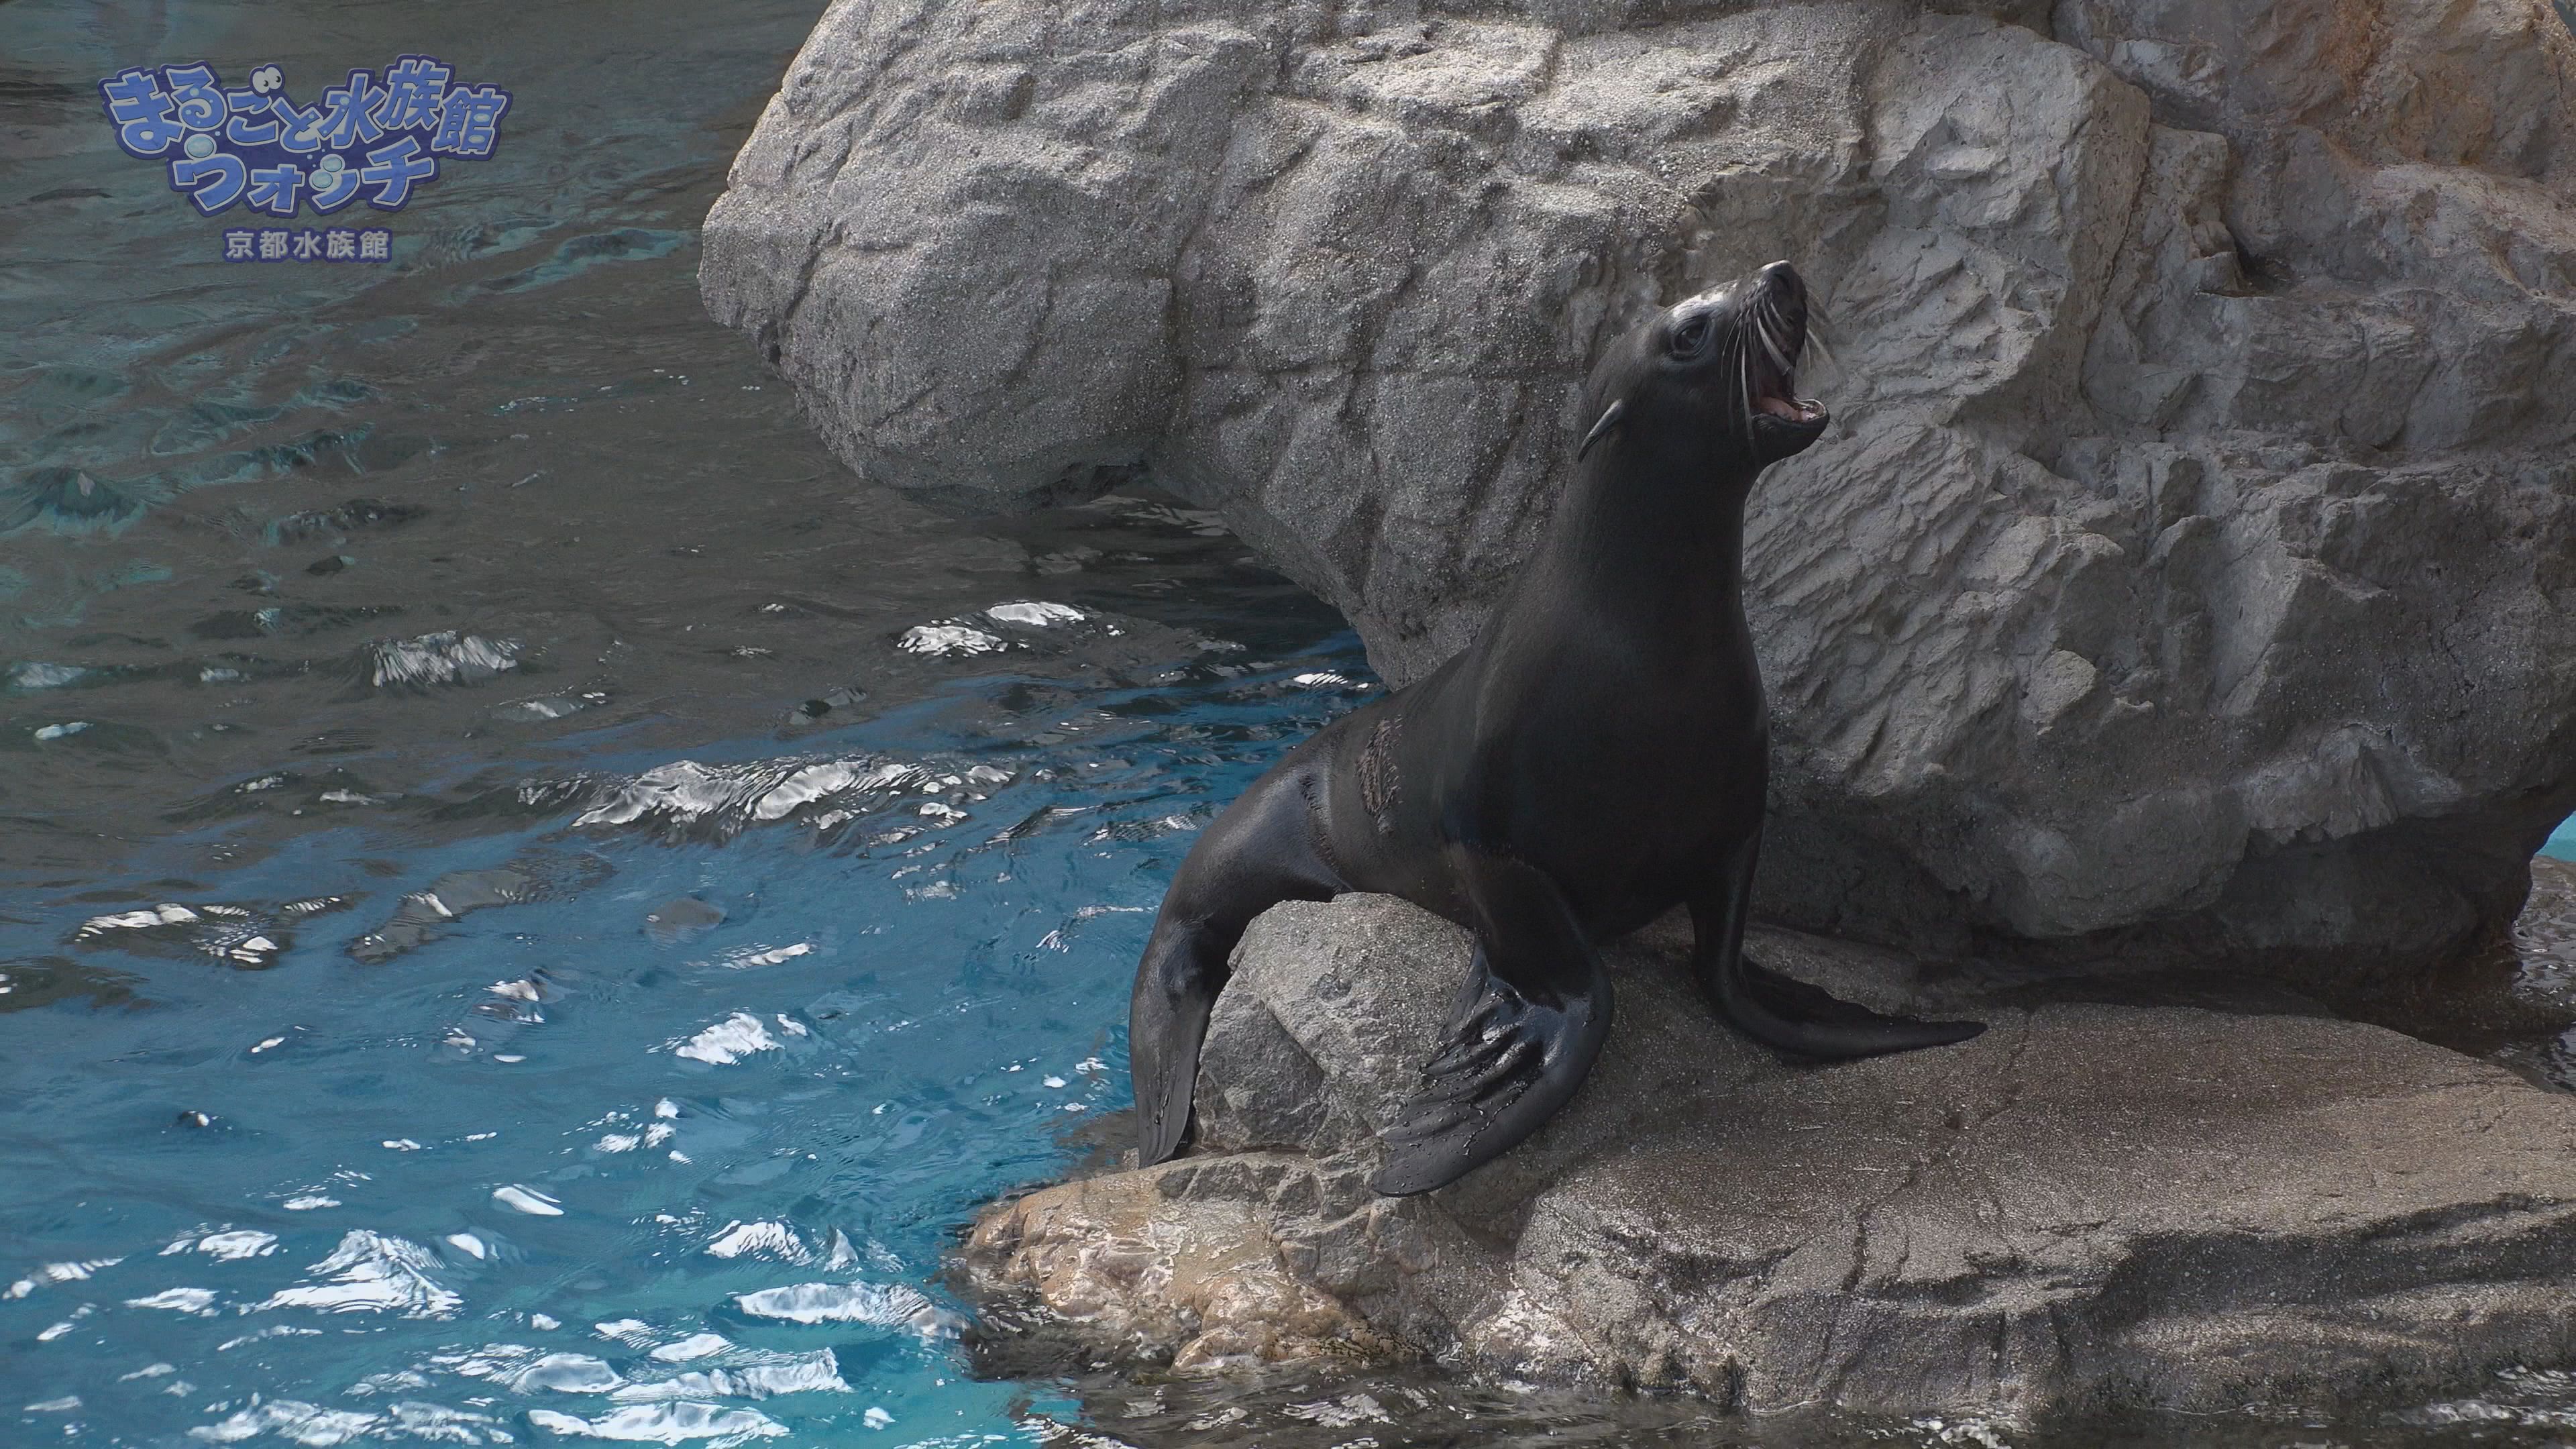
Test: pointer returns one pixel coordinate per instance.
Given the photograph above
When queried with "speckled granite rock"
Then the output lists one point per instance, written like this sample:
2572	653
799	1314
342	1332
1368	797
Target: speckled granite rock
2190	570
2196	1203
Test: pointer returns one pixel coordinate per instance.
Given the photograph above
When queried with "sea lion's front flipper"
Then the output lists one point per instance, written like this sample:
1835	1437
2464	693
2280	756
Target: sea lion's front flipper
1782	1012
1529	1024
1263	850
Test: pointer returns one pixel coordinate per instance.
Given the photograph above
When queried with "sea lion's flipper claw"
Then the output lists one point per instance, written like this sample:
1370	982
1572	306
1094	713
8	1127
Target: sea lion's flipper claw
1484	1093
1527	1028
1426	1119
1481	1046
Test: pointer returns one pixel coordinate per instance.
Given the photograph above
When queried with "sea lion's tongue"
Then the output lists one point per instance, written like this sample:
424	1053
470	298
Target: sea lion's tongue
1778	407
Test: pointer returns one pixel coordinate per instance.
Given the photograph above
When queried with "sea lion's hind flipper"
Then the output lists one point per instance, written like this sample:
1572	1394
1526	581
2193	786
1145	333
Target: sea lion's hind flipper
1793	1016
1782	1012
1526	1031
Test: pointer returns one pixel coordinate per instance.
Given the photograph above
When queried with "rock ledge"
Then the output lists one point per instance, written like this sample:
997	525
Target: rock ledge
2189	1203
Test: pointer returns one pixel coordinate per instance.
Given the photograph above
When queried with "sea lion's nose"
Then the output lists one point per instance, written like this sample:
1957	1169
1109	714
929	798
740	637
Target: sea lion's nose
1783	278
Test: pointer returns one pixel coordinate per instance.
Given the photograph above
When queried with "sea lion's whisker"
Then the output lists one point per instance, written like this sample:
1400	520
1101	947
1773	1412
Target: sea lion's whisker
1824	352
1744	376
1793	339
1825	338
1779	358
1821	326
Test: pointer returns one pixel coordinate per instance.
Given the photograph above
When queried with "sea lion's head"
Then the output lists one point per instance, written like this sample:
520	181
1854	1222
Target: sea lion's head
1719	369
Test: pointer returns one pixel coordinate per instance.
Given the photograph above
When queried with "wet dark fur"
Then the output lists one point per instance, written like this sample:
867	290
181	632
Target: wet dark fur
1595	758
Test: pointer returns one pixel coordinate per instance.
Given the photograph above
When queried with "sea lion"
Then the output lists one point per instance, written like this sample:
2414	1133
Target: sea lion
1597	756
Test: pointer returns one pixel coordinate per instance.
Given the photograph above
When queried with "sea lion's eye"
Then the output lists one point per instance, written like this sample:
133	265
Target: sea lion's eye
1688	336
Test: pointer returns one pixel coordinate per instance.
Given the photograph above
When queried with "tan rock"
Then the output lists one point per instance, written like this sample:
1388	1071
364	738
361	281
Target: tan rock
1201	1281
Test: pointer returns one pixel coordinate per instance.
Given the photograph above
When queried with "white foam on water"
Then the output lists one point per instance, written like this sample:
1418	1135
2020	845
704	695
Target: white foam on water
35	675
169	914
758	1374
527	1200
57	1273
247	1243
1037	613
674	1423
695	1346
728	1041
733	796
831	777
683	788
294	1421
446	657
567	1373
773	1239
948	640
181	1300
875	1304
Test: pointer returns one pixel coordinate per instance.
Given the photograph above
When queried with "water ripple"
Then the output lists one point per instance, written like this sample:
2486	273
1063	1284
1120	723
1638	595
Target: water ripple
373	1272
674	1423
720	801
877	1305
446	657
250	936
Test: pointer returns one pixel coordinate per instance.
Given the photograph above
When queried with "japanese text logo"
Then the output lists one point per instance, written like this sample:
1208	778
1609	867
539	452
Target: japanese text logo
372	139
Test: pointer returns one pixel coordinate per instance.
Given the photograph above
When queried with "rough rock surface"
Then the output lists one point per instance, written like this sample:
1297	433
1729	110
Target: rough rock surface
2197	547
2198	1203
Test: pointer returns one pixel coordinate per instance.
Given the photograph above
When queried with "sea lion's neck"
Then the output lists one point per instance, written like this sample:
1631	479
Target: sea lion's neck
1654	543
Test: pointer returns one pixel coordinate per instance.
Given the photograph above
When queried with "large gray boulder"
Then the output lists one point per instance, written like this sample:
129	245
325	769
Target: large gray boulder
2191	1201
2193	569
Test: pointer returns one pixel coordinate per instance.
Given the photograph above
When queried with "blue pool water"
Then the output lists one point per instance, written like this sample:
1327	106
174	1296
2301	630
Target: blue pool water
670	1149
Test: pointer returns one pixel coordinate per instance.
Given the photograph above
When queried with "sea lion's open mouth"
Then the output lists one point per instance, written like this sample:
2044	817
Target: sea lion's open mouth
1777	323
1773	385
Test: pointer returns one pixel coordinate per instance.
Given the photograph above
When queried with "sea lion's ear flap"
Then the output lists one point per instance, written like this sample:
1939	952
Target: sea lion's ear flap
1610	417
